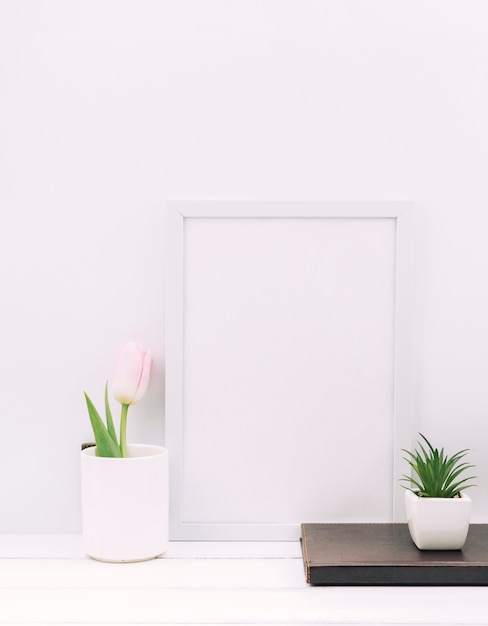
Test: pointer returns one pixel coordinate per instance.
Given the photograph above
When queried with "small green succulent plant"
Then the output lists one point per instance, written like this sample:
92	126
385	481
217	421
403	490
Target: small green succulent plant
437	475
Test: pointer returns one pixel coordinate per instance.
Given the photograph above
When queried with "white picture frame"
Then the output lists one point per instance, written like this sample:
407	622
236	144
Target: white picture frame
188	216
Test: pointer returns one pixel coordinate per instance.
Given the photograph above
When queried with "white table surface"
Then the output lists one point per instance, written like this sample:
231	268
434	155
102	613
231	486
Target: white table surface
47	579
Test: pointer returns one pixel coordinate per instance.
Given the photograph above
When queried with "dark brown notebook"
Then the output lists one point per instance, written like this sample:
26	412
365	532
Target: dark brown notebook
384	554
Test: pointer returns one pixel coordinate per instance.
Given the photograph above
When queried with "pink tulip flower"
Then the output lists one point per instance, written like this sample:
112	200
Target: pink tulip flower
131	376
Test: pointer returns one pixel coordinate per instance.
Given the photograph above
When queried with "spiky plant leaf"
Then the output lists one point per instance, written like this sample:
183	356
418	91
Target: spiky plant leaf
436	473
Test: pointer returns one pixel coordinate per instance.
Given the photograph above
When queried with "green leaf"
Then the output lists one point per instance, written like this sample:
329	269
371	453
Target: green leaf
436	471
108	413
106	446
413	482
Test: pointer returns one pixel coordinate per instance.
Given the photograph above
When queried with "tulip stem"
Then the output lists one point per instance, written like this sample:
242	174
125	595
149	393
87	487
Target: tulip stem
123	430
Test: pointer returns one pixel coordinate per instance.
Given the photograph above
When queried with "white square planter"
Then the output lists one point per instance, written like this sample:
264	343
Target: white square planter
438	523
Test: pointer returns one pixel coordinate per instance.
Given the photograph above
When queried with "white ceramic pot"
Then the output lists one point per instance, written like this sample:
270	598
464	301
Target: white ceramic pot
125	504
438	523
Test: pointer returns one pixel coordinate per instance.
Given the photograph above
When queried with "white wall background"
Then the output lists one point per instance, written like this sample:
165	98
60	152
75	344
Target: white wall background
110	107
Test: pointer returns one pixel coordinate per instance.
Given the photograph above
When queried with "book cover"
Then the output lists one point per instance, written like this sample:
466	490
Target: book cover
384	554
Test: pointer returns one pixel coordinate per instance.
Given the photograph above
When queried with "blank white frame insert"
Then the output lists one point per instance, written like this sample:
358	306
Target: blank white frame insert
288	365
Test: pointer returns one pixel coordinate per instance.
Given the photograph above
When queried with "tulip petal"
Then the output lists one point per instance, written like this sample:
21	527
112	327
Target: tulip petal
127	373
144	377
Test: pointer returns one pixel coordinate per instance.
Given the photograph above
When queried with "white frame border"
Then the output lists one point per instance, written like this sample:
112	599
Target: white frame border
176	213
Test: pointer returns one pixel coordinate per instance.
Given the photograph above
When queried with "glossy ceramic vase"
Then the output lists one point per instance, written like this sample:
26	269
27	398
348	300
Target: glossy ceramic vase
125	504
438	523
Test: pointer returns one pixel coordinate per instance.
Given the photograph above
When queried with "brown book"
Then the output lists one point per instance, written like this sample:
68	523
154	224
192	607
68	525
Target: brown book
384	554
